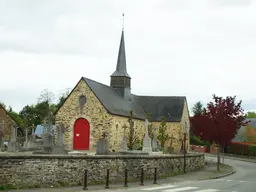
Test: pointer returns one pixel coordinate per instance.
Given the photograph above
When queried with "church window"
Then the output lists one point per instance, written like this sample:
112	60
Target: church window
82	100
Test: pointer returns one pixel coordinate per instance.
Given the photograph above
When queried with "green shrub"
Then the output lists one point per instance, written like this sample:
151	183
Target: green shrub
252	150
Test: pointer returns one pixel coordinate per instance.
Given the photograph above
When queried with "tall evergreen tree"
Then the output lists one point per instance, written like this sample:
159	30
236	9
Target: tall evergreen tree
198	108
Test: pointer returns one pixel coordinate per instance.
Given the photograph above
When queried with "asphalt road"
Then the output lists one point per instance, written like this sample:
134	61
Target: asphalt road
244	180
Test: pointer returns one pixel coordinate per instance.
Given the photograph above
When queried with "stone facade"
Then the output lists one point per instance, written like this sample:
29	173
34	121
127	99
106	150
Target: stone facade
54	171
101	121
8	123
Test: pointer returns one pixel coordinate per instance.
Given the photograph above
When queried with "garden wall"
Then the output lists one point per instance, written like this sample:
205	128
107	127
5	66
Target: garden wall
54	171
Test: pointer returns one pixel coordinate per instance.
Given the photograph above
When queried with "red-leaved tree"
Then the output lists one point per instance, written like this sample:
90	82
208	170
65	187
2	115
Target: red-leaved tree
219	122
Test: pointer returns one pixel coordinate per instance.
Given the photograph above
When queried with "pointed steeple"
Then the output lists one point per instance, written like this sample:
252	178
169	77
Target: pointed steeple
120	79
121	60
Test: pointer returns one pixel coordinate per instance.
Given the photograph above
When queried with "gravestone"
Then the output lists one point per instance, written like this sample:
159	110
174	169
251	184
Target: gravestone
123	146
25	144
2	136
102	145
154	141
59	148
146	141
48	134
13	145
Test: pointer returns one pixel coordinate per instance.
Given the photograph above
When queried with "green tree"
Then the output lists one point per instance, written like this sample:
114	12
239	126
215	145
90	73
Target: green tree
132	137
162	133
17	118
45	106
198	108
62	98
150	127
251	114
30	115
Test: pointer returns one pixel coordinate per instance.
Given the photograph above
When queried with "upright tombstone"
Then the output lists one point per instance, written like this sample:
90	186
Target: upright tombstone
33	135
48	138
154	141
59	148
123	146
13	145
146	141
2	135
102	145
26	144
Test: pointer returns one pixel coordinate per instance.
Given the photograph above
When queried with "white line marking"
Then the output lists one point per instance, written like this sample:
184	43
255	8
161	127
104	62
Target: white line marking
180	189
156	188
229	180
208	190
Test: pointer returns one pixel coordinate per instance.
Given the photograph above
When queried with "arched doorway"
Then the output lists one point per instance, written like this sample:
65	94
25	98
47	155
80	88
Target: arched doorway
81	137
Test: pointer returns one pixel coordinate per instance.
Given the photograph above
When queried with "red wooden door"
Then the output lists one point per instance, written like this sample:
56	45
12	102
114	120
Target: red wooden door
81	137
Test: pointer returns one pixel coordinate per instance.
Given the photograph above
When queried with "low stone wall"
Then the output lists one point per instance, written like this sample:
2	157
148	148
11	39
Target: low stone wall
29	171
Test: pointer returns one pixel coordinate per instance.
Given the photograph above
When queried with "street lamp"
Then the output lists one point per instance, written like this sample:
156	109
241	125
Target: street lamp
184	145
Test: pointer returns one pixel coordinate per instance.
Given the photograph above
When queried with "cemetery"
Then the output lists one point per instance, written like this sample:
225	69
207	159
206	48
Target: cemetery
46	163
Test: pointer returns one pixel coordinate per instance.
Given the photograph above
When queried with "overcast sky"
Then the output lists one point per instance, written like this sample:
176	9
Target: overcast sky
173	47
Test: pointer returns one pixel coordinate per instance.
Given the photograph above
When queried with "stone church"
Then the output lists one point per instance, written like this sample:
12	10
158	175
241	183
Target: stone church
93	108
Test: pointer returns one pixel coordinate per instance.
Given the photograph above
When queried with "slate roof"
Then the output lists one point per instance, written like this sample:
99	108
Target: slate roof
170	107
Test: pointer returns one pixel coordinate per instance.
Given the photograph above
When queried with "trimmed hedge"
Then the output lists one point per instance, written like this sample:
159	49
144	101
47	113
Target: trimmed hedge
240	148
197	141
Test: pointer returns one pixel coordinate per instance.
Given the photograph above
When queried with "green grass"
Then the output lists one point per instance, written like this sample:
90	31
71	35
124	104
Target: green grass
7	187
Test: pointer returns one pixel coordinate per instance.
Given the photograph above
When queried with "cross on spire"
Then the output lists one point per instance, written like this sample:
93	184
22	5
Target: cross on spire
123	22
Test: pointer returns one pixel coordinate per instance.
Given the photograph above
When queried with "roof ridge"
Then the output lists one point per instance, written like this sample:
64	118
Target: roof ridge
158	96
96	81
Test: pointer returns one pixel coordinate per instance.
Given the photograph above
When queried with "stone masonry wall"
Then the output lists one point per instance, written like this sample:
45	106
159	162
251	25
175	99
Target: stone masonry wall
55	171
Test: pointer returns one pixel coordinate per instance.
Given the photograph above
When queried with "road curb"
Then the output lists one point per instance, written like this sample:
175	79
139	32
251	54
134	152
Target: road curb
224	175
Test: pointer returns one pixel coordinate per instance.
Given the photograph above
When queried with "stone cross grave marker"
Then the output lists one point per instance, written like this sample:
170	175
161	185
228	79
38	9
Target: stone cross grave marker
60	137
2	135
146	127
26	134
146	141
12	145
123	146
33	136
48	138
25	145
154	141
59	147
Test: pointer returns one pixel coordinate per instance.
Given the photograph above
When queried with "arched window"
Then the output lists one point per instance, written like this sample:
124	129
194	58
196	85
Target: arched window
82	100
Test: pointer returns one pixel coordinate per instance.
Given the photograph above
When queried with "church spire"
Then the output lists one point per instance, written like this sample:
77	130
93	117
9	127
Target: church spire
121	60
120	79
